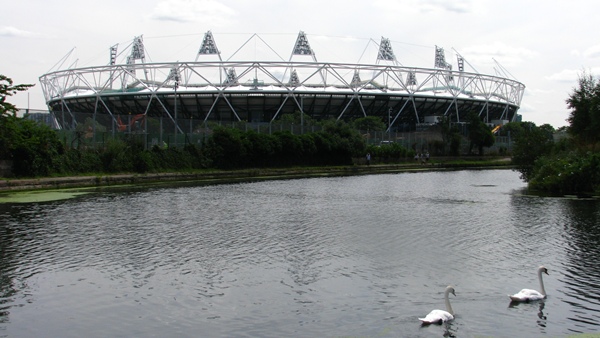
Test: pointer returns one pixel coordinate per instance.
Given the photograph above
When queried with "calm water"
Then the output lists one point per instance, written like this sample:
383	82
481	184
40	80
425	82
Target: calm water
361	256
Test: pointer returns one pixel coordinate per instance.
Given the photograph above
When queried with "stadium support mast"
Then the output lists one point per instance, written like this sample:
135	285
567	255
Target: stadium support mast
174	76
461	68
209	46
137	50
302	47
355	79
137	53
411	78
440	63
385	51
113	55
462	60
504	71
113	61
386	54
294	79
231	79
440	59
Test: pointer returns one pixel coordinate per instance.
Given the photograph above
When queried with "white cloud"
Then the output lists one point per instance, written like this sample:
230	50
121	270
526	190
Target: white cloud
592	52
539	91
209	13
566	75
10	31
400	9
572	75
456	6
507	56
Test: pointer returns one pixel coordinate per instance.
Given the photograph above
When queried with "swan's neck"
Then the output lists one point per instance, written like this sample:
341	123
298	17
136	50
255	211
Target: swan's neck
542	290
447	299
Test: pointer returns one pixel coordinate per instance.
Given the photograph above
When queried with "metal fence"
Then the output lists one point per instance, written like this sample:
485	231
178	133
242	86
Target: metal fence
94	131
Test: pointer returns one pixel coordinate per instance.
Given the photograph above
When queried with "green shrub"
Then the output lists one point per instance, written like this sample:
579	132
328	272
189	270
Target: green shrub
143	162
114	158
390	153
567	173
31	146
76	161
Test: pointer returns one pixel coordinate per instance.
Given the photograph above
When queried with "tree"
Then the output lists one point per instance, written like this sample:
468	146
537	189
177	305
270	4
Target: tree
530	143
450	135
8	89
34	148
480	134
369	123
297	118
584	103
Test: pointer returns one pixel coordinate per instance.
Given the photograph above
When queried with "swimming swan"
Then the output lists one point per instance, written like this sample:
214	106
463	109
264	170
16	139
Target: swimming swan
440	316
527	295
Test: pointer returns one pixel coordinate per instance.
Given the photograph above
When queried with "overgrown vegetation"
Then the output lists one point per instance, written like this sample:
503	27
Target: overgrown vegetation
570	165
336	144
31	147
35	150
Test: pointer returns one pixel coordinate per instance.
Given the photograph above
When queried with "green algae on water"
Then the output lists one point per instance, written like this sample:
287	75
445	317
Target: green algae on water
38	196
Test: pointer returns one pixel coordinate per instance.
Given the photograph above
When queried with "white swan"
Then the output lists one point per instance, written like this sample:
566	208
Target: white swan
527	295
440	316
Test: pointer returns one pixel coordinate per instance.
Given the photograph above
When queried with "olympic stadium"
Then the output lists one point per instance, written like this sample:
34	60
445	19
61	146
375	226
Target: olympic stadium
182	95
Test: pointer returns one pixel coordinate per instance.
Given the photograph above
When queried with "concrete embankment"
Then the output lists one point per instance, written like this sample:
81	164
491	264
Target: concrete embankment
224	176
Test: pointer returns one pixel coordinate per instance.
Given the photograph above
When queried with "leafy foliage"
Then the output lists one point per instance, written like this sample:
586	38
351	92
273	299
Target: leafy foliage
369	123
450	136
31	147
480	135
530	143
389	153
7	88
567	173
569	166
231	148
297	118
584	103
36	150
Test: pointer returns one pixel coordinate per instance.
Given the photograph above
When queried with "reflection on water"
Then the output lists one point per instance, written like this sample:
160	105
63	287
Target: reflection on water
346	256
582	264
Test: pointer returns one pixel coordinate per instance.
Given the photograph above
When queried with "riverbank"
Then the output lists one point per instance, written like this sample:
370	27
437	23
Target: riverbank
225	176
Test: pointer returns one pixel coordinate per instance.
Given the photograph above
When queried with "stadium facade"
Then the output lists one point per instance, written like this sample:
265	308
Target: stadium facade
259	92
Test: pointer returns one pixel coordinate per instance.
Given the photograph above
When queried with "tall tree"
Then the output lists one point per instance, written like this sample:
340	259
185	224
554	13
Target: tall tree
450	135
584	103
480	134
369	123
530	143
7	88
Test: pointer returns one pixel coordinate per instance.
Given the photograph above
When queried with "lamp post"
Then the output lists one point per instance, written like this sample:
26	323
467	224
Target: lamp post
176	85
301	114
389	124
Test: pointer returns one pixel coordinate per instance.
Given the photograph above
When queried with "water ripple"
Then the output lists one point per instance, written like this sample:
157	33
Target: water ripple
344	256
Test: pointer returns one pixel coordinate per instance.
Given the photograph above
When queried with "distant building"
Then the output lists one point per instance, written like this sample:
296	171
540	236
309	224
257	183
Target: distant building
41	116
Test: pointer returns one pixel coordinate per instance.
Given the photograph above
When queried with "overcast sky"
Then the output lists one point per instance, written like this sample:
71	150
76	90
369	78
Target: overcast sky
546	45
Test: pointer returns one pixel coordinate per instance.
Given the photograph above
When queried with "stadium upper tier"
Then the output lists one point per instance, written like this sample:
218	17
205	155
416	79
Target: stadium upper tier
261	91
